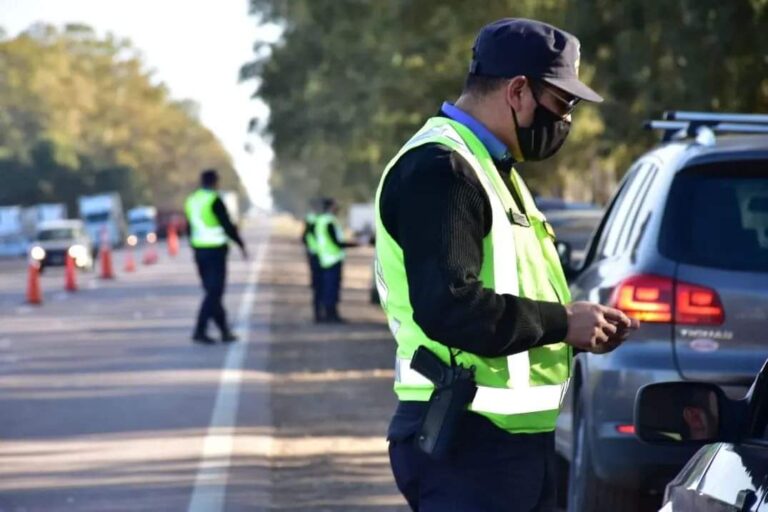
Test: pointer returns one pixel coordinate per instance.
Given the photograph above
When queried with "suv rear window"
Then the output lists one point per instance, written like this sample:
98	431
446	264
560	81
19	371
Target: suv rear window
717	216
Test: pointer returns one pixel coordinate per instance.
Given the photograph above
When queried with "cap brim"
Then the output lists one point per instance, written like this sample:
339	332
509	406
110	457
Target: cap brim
575	87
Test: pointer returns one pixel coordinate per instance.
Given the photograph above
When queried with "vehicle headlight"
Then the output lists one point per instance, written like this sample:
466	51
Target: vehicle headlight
132	240
78	252
37	253
151	238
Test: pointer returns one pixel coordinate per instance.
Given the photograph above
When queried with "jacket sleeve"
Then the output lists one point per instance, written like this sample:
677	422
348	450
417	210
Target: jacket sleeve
223	216
440	218
340	243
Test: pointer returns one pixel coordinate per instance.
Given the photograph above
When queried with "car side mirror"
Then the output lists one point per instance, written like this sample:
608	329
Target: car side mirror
682	413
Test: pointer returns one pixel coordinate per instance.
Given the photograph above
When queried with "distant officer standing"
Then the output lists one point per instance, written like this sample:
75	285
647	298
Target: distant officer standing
331	255
210	230
467	270
310	244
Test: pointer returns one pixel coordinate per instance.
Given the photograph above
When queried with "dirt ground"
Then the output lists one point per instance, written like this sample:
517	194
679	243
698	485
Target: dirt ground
331	394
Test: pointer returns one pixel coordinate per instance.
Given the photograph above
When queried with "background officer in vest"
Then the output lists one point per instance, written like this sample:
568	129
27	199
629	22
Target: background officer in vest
330	254
210	230
309	240
466	266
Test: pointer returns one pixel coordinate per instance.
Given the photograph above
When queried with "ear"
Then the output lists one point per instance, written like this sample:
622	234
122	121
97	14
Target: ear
515	91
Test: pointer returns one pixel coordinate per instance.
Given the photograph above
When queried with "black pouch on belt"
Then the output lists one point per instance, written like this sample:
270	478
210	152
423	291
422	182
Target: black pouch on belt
455	389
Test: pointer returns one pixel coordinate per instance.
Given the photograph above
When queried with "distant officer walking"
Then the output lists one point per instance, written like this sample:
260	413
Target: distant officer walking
467	270
310	245
210	230
330	255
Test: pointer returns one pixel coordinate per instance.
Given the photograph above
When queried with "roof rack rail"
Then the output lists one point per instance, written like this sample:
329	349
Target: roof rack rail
721	117
702	126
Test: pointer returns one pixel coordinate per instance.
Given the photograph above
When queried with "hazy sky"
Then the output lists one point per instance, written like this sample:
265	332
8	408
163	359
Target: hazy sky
196	48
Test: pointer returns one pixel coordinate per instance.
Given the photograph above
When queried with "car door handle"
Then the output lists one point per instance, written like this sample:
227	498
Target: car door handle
745	500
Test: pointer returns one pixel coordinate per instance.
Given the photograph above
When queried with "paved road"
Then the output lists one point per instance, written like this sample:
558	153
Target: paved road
105	405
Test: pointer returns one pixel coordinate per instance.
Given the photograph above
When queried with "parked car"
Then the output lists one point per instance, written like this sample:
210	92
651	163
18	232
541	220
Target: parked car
683	247
57	238
548	204
729	472
575	227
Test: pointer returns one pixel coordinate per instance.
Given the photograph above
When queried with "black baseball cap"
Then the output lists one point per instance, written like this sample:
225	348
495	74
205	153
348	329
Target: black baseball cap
209	177
516	46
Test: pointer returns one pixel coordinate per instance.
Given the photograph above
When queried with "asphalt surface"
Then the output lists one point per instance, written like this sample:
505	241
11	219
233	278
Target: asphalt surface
105	405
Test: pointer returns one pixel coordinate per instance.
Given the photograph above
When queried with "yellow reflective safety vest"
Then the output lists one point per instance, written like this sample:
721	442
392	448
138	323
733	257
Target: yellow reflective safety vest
205	230
521	393
310	240
328	252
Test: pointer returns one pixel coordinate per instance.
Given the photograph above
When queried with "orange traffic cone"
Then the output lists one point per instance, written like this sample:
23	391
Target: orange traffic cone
173	240
130	262
105	257
34	294
150	255
70	279
105	261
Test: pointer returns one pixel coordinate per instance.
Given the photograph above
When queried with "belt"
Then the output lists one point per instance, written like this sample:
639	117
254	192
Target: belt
507	401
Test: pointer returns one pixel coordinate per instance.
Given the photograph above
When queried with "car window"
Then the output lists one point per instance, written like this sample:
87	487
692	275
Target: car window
639	204
618	218
717	216
598	240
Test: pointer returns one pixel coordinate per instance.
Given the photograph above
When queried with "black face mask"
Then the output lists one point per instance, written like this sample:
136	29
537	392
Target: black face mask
544	137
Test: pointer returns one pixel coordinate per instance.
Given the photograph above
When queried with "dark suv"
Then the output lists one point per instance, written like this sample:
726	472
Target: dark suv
683	247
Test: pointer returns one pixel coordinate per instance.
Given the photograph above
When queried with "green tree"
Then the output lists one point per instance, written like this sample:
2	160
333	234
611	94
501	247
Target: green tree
81	114
350	80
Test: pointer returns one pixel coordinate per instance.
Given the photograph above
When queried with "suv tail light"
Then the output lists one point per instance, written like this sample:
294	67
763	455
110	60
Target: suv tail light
647	298
698	305
659	299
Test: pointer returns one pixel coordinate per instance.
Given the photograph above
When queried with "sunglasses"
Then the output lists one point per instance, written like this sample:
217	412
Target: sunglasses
568	105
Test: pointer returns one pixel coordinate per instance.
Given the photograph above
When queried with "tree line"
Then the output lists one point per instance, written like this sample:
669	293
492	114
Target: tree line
350	80
82	114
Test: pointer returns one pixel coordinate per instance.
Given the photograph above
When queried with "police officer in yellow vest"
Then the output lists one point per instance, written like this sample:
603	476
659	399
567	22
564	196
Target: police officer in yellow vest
309	240
330	255
467	269
210	230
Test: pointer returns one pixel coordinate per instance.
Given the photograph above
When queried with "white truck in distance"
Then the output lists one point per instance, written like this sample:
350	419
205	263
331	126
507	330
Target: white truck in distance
19	224
103	212
12	240
142	223
361	219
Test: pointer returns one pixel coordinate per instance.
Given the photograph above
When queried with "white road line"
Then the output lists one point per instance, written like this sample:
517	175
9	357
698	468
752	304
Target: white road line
211	481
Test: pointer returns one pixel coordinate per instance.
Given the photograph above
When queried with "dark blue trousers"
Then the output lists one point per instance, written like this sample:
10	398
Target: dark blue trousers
490	471
330	287
314	271
212	267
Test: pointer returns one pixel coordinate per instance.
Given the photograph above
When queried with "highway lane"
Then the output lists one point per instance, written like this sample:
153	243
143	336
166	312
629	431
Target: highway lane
105	405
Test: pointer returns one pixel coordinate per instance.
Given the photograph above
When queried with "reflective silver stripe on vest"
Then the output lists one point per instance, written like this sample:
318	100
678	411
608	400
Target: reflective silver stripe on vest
504	252
495	400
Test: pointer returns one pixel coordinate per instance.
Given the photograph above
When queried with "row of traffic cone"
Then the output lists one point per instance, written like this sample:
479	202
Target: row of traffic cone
34	291
150	257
